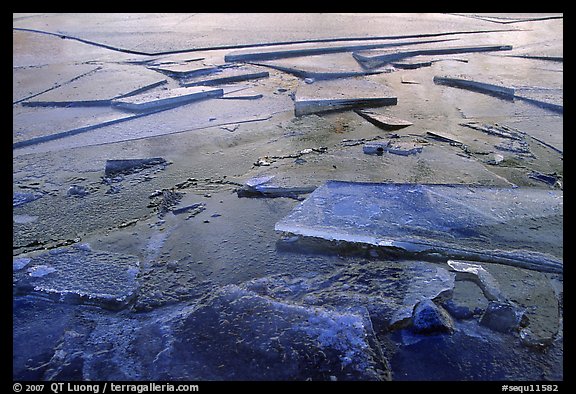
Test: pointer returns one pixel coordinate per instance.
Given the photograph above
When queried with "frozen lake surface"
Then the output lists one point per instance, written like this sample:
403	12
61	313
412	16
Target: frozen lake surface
318	218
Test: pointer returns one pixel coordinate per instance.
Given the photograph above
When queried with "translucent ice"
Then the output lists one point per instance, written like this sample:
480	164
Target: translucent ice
517	226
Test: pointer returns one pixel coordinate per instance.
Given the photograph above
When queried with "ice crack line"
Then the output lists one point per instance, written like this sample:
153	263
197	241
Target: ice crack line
254	45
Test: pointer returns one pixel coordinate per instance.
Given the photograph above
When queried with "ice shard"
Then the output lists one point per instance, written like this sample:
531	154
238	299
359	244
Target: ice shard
515	226
482	87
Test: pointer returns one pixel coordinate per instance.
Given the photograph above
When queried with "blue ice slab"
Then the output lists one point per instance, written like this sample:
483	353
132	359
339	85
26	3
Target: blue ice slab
516	226
79	274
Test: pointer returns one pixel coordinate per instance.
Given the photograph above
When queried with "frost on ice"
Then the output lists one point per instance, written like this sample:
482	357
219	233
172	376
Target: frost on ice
79	274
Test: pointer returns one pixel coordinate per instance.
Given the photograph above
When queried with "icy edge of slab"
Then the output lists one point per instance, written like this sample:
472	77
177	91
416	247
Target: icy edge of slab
456	221
331	95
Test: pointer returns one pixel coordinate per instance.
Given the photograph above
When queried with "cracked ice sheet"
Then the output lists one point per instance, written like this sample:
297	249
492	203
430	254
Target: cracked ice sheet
31	81
79	274
101	86
196	115
516	226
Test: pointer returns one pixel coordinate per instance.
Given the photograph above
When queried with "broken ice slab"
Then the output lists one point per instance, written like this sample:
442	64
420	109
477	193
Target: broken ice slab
320	67
444	137
510	133
516	226
378	58
375	148
166	98
427	282
259	181
482	87
429	318
346	93
503	317
184	70
514	146
80	275
382	120
243	94
314	48
263	187
127	166
403	148
226	75
235	334
170	59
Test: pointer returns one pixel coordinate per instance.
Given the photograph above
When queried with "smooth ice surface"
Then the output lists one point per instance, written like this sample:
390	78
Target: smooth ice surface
456	220
79	274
